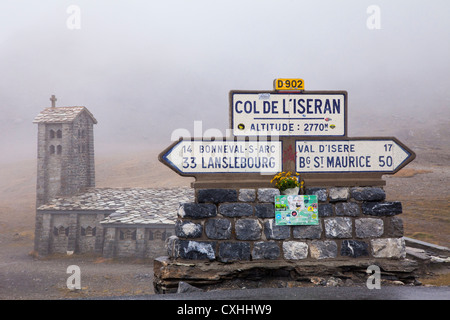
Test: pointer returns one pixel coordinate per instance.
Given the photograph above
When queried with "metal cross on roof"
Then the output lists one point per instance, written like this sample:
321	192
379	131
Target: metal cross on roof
53	100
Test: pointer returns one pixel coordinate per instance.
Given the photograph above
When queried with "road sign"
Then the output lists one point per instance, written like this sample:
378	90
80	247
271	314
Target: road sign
197	156
314	113
386	155
289	84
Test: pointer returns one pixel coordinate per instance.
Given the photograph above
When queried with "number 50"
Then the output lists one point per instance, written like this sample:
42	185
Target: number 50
385	162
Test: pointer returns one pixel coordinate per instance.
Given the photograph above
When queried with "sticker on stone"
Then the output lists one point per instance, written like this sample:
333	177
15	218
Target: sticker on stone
296	210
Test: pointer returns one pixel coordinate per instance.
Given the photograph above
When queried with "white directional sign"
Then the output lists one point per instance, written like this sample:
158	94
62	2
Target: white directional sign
189	157
288	114
351	155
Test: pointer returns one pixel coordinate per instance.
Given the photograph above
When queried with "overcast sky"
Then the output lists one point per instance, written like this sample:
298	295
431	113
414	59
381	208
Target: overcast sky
145	68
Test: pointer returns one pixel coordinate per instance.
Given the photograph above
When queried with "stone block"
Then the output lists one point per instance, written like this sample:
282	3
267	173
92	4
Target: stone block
248	229
369	227
184	287
338	194
354	248
388	248
235	209
188	229
295	250
267	194
216	195
323	249
247	195
232	251
307	232
274	232
325	210
265	210
351	209
195	250
394	227
197	210
321	193
218	229
368	194
172	246
265	250
389	208
338	227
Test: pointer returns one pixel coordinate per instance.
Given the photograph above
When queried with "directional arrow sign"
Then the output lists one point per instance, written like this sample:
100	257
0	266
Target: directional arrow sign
387	155
197	156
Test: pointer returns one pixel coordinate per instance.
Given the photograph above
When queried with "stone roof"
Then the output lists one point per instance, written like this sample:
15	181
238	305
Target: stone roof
130	205
61	114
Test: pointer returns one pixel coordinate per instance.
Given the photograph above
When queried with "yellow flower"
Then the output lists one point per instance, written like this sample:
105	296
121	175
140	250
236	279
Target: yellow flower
285	180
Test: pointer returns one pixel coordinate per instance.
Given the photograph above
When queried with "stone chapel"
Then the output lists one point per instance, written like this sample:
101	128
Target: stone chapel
73	216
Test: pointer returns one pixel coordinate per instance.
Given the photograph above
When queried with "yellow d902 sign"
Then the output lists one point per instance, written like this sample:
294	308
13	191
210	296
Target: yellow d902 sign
289	84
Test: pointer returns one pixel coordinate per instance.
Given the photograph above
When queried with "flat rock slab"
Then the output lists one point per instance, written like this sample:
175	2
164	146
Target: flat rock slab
168	272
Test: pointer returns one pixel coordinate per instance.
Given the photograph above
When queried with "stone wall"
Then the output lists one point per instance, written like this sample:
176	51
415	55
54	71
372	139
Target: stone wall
136	241
69	232
238	225
65	165
81	232
65	158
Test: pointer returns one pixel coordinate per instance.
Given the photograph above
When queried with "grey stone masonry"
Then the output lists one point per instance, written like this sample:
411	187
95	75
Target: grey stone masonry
338	194
321	193
323	249
354	248
338	227
235	209
347	209
369	227
266	250
65	161
229	251
295	250
188	229
218	228
217	195
114	222
367	194
325	210
272	231
248	229
194	250
382	208
247	195
232	225
197	210
307	232
388	248
265	210
267	194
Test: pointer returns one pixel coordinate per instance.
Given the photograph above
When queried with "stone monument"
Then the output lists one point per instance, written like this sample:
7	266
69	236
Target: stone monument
229	231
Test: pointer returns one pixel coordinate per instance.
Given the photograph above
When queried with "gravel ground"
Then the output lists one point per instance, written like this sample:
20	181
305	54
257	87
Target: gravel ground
22	276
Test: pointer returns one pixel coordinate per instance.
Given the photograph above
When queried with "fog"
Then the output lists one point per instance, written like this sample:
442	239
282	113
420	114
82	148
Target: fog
146	68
